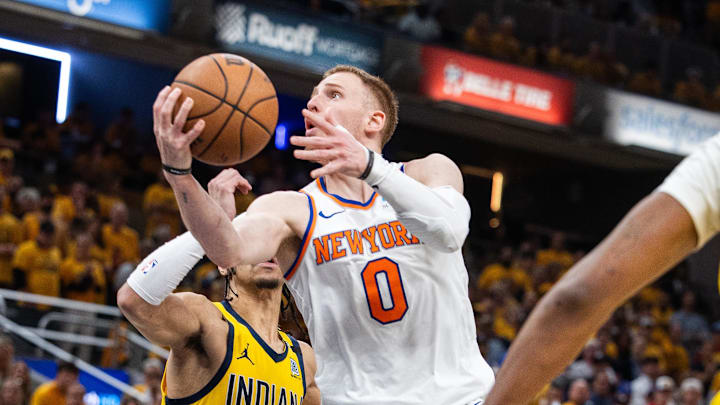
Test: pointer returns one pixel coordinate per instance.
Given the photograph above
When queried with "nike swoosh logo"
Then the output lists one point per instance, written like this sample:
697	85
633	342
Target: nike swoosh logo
331	215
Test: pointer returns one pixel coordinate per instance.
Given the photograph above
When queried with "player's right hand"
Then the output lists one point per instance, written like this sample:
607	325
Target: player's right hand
222	189
173	143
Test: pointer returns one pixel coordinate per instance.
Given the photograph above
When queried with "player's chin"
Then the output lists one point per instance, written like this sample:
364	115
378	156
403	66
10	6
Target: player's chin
267	283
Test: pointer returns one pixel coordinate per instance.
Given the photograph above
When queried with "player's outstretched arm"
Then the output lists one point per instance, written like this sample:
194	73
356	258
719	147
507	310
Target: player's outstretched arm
652	238
147	301
312	392
255	238
427	197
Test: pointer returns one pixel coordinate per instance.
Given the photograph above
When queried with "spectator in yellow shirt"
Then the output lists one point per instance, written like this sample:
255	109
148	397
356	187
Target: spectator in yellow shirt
108	195
121	241
160	207
496	271
677	359
503	43
36	264
477	35
11	236
556	253
55	391
83	277
35	207
67	207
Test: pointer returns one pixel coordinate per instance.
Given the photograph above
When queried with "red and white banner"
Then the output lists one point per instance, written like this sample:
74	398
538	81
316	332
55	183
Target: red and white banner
495	86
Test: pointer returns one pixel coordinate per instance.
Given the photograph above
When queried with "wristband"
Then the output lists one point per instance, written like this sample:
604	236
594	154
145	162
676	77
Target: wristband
175	171
368	168
379	170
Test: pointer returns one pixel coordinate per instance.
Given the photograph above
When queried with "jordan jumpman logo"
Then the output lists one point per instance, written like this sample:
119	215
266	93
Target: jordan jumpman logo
244	355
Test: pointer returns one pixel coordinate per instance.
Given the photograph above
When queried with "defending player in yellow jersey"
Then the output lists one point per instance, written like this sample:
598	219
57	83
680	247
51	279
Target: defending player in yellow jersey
229	352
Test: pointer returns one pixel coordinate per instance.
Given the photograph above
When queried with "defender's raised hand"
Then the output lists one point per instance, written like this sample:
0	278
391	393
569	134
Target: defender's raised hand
336	149
222	189
173	143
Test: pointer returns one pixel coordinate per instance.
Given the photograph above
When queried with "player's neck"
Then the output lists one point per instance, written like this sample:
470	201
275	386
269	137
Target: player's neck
261	309
348	187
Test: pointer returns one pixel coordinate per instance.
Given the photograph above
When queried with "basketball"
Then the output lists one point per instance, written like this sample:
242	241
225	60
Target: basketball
238	103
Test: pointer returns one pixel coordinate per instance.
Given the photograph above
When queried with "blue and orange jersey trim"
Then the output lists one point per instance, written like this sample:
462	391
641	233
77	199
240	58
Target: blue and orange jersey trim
306	237
344	201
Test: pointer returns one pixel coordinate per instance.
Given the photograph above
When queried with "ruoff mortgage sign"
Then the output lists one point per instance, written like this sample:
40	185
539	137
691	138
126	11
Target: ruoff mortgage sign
293	38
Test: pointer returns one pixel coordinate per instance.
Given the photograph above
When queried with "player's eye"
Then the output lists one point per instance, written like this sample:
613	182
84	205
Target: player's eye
335	95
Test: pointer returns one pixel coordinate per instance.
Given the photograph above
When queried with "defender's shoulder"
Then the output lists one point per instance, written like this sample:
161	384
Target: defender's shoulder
197	303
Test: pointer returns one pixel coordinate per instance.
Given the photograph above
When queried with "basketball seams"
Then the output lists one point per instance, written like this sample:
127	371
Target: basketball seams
235	108
225	79
198	88
242	125
212	141
262	100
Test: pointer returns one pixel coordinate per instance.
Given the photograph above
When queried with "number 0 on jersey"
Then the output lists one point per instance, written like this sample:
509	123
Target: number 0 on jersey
371	275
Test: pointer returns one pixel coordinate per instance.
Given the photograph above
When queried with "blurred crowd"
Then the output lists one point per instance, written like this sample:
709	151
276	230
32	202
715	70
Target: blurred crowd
697	21
657	349
598	63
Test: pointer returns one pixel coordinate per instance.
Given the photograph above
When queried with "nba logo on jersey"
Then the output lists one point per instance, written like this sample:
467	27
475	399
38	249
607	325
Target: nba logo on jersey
294	370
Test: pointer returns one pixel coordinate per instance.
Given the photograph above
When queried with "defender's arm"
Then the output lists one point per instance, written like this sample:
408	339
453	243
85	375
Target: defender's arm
660	231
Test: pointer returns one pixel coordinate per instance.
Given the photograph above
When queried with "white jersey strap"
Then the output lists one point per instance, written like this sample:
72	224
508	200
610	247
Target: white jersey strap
306	237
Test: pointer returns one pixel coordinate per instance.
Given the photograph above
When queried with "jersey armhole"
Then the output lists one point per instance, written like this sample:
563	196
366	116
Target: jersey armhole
306	237
216	378
298	351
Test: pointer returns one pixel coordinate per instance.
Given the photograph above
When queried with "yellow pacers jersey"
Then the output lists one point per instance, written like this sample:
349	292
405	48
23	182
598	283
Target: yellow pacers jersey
252	373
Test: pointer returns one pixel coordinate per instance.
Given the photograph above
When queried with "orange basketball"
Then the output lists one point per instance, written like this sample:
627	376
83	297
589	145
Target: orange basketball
238	103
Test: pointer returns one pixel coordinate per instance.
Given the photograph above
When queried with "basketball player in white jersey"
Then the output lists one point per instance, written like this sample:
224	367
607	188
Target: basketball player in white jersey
371	249
665	227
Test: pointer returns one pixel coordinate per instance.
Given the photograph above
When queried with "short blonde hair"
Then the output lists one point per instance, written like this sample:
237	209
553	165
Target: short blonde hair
382	93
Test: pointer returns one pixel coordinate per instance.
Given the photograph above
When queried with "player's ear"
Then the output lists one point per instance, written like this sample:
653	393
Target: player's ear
223	272
376	121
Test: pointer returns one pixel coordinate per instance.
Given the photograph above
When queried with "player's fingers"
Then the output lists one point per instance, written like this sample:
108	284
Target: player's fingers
243	185
159	101
329	168
315	155
195	131
228	177
181	116
317	120
167	108
228	180
310	141
161	97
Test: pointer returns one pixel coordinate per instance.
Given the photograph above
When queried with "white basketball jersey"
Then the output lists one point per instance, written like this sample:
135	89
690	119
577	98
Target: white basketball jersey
389	318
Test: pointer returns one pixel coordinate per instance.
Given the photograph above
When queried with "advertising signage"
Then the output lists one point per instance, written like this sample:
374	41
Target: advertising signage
656	124
313	43
495	86
139	14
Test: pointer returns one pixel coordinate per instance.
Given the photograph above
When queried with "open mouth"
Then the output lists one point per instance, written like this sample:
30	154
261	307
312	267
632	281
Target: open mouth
272	263
308	125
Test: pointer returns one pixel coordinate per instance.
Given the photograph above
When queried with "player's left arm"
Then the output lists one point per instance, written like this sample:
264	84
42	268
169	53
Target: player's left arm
312	392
